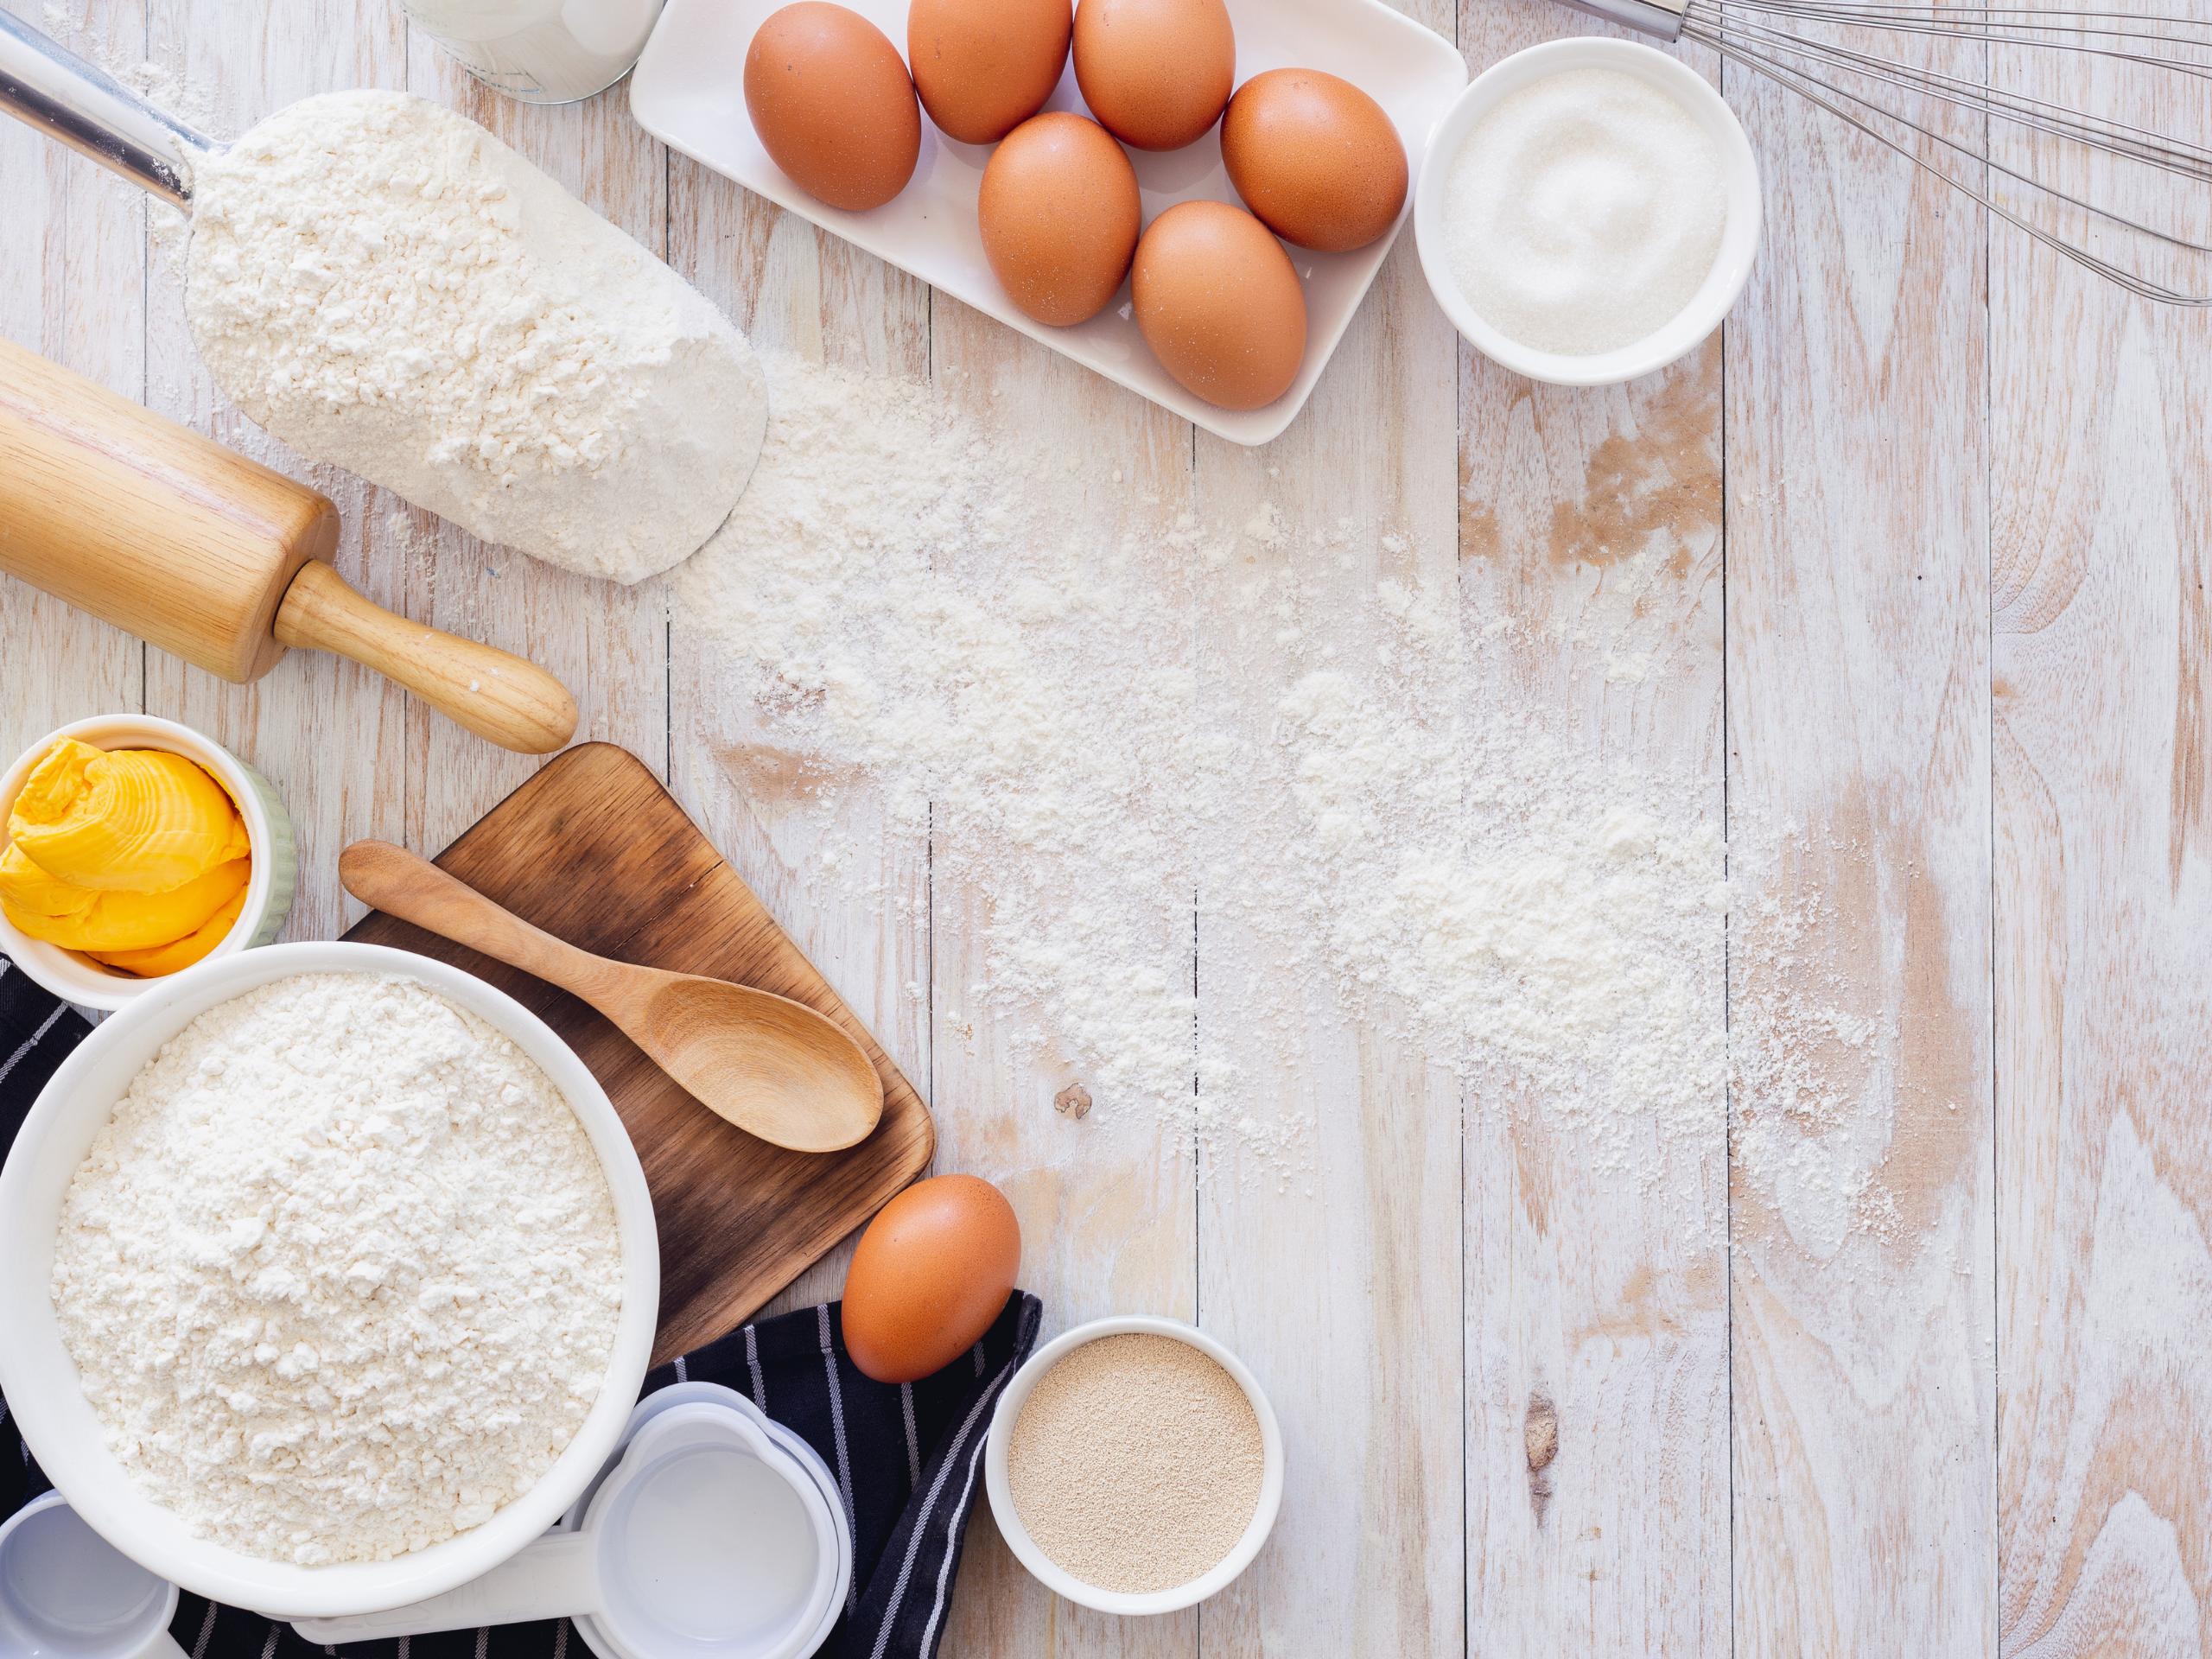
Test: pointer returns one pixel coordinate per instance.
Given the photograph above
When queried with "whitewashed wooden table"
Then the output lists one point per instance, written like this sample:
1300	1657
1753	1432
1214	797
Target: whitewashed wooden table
1938	510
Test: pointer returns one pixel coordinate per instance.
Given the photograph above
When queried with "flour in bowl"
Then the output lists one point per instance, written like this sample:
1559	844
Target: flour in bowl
384	285
340	1276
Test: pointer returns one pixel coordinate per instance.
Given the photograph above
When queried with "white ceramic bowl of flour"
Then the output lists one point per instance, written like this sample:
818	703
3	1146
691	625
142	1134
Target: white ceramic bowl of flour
41	1382
1707	306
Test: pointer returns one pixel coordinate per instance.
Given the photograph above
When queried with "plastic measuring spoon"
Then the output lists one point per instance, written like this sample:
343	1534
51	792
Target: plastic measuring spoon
706	1541
66	1592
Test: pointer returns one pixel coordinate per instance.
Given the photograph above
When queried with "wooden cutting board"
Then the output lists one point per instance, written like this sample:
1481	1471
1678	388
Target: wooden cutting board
595	851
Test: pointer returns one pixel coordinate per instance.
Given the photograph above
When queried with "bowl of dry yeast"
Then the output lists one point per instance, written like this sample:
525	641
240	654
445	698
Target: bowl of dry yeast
1134	1465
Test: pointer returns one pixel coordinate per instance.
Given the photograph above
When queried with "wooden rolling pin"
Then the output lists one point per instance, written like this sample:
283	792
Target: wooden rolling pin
191	546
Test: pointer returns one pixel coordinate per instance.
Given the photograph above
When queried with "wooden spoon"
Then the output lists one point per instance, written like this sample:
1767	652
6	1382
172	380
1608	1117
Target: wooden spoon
773	1067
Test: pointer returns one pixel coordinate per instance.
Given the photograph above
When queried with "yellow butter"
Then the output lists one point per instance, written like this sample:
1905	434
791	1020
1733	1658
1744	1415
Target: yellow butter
34	890
173	958
136	921
125	821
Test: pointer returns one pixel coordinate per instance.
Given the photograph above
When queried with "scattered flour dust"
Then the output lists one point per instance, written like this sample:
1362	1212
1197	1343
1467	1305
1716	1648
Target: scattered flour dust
161	84
1811	1047
910	602
1534	908
886	588
341	1273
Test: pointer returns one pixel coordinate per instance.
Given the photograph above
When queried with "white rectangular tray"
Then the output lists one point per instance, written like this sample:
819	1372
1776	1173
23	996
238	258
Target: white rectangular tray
688	93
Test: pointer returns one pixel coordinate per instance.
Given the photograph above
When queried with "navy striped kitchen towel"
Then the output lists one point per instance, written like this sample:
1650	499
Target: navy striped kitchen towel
38	1031
908	1460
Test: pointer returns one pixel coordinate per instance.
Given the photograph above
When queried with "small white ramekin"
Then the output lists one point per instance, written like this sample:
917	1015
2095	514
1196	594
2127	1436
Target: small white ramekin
1739	238
1041	1567
75	976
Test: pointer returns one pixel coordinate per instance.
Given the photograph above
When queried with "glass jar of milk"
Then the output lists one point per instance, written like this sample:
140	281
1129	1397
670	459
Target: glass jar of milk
540	51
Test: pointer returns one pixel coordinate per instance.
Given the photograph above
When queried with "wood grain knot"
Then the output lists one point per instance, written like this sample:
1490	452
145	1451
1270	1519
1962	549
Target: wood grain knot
1540	1433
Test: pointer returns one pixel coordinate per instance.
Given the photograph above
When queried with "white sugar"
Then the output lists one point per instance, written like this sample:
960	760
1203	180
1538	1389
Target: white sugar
1584	212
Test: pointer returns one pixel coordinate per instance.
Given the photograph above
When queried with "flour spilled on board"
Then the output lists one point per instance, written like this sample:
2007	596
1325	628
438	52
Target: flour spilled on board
1068	711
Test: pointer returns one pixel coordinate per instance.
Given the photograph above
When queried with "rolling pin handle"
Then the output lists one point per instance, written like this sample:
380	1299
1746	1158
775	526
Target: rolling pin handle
499	697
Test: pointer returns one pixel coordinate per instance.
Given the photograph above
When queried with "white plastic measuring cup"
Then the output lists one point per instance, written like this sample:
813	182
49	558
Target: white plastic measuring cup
66	1592
706	1541
685	1394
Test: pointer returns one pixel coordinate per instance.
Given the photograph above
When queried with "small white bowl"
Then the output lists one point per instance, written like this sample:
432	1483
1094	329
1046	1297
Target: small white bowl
1739	238
1041	1565
41	1381
74	976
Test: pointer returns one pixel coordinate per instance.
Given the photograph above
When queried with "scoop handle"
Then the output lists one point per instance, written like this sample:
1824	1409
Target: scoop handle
96	115
498	696
557	1576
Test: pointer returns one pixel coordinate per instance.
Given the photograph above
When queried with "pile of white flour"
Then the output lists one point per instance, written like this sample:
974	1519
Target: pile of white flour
341	1273
384	285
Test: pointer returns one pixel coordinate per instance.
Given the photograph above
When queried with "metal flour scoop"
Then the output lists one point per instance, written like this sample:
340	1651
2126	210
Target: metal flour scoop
96	115
588	406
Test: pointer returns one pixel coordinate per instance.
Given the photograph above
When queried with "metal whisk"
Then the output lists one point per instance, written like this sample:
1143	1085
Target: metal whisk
2039	160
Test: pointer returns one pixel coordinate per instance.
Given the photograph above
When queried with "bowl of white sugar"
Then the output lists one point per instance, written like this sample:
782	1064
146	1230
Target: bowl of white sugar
1134	1465
330	1278
1588	211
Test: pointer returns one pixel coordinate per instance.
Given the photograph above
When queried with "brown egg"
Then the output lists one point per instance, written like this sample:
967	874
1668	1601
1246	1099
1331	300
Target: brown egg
1316	159
833	104
1059	215
1219	304
932	1271
985	66
1155	73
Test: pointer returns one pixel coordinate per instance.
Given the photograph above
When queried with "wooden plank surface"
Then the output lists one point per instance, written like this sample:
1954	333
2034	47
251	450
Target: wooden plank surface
1862	1231
1107	1225
1336	1275
1597	1315
2102	718
1596	1300
592	849
72	258
1932	615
